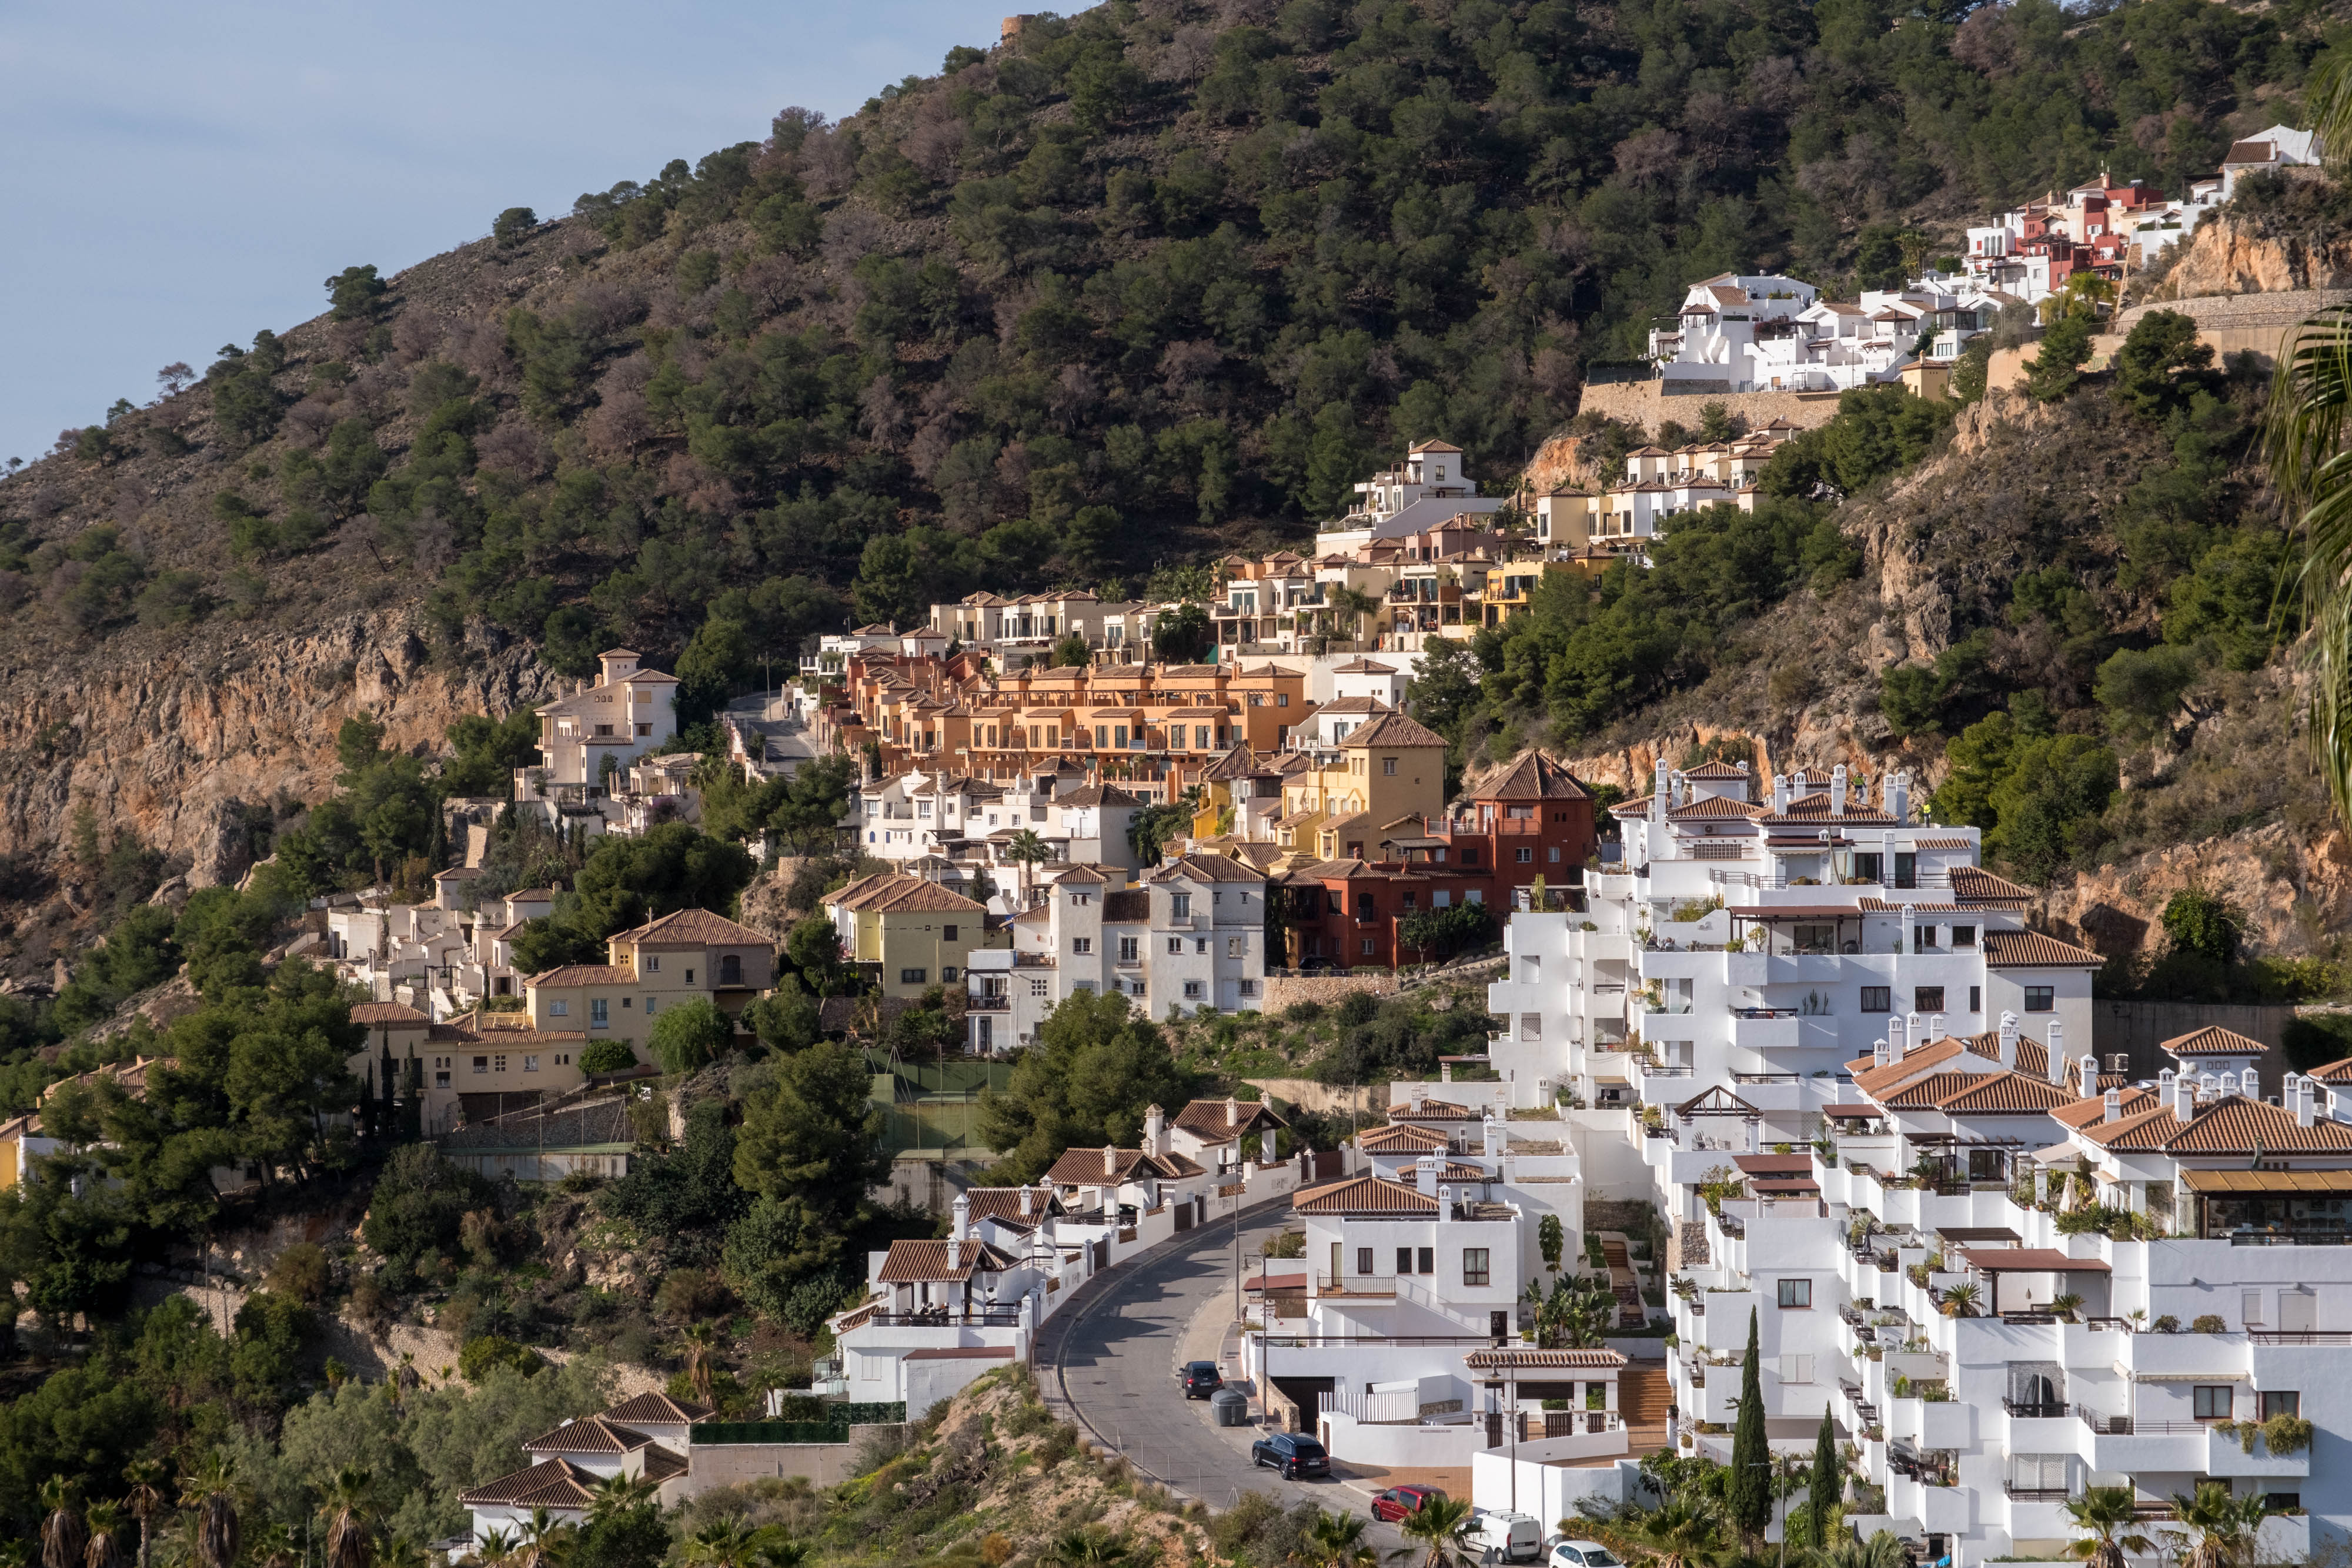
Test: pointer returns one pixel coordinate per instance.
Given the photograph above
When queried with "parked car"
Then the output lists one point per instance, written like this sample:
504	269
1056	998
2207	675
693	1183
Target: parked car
1402	1502
1575	1553
1201	1379
1293	1453
1512	1537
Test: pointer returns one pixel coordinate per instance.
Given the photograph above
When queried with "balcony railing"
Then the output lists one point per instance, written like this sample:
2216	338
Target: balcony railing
2034	1410
2035	1494
2300	1336
987	1004
943	1317
2131	1426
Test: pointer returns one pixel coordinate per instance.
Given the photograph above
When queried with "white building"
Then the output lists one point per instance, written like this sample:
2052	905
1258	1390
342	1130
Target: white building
1189	936
587	738
1429	487
1775	334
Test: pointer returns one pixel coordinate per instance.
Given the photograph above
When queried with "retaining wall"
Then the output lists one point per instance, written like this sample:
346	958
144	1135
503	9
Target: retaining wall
1639	402
1281	991
1309	1095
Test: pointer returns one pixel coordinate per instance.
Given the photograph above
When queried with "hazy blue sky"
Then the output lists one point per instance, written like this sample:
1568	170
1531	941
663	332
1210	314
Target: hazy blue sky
176	175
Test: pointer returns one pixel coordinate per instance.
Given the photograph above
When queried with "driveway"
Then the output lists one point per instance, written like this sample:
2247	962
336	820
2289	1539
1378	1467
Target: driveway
1108	1362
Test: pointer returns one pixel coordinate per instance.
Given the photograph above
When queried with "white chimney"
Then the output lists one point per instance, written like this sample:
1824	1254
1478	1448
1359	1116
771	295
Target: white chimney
2252	1079
1155	1130
1898	1044
1659	794
2088	1084
1110	1160
1936	1027
1910	926
2184	1097
2057	1063
1781	794
1028	1202
1232	1112
2008	1039
1682	789
1915	1030
1424	1175
961	1229
1493	1132
2306	1101
1882	1053
1899	795
2113	1111
1837	790
1416	1096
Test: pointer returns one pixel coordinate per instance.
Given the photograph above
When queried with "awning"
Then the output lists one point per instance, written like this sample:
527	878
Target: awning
1967	1235
2029	1260
1861	1109
1274	1282
1775	1165
1805	1189
2329	1182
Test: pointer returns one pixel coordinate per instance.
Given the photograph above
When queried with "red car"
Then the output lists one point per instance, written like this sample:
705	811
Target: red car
1401	1502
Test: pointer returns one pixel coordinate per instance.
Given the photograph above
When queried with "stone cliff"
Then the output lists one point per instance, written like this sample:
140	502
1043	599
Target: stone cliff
177	741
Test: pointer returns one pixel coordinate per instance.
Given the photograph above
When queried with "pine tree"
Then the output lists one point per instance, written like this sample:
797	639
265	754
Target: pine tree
1750	1489
1826	1490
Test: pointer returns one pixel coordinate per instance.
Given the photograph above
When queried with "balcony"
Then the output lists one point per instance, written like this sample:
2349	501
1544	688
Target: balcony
951	1317
2022	1410
995	1004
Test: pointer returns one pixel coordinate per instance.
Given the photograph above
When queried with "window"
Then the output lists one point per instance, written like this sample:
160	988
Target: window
597	1016
1527	855
1363	1260
1975	999
913	977
2281	1402
2211	1402
530	1064
1368	946
1200	945
1553	854
1388	767
1469	855
499	1064
1473	1265
2041	999
1797	1294
1236	947
1866	867
1037	987
1249	987
645	729
1191	990
482	1065
1082	944
947	934
1428	1260
653	962
1180	905
1906	869
440	1081
1929	999
559	1010
651	1002
1201	737
1531	1026
1877	998
1175	946
1964	936
690	976
1126	950
1405	1260
563	1060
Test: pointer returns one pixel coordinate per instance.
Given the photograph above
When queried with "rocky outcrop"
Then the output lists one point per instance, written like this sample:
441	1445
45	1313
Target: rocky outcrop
2284	887
2234	254
184	741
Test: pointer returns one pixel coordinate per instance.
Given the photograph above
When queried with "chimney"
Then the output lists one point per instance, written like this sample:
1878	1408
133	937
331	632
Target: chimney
1232	1112
1155	1130
2057	1065
2088	1066
1837	790
2113	1111
2306	1101
1898	1042
1682	789
1881	1053
1781	794
2252	1079
1492	1131
1899	795
2184	1097
962	1229
1936	1027
1028	1202
1416	1097
1110	1160
1424	1175
2008	1039
1659	794
1910	924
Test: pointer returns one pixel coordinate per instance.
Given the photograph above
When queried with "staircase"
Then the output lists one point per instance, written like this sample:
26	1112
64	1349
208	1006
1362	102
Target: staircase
1623	1282
1643	1396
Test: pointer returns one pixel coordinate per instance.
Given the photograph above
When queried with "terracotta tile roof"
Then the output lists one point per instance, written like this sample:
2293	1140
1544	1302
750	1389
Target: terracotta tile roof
1877	1082
2002	1092
1004	1203
1396	729
1205	868
694	928
2032	949
1396	1138
1362	1195
900	895
1944	844
2146	1129
659	1409
939	1262
1715	770
1775	1165
2087	1112
1359	665
2210	1041
1709	806
1218	1121
1098	795
2237	1125
552	1483
1084	1168
1974	884
1510	1356
1534	777
1815	808
2334	1071
585	975
1433	1111
589	1435
381	1013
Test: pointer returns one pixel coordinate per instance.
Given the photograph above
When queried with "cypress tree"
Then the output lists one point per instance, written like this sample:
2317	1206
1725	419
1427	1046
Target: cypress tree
1825	1491
1750	1491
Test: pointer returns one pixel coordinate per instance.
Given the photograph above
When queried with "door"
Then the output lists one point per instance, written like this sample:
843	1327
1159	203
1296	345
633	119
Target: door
1498	1325
2298	1312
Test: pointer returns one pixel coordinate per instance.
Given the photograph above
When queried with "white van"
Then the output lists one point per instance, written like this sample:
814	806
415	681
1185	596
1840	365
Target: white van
1512	1537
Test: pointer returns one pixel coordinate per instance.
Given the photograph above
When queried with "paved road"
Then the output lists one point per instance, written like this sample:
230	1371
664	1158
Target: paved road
1112	1356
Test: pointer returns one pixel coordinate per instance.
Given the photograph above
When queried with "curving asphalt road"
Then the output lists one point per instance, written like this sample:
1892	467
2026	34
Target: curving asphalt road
1109	1361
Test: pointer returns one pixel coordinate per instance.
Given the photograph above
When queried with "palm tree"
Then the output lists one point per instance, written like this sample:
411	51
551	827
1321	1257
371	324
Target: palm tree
2102	1518
1085	1548
1355	604
64	1537
105	1548
1336	1540
616	1495
2312	470
2219	1527
1685	1531
777	1550
726	1542
405	1378
145	1500
1883	1549
1960	1301
494	1550
1438	1527
699	1343
273	1546
543	1542
1026	850
346	1507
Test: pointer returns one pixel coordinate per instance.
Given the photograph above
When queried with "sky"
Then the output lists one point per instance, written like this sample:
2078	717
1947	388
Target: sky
174	176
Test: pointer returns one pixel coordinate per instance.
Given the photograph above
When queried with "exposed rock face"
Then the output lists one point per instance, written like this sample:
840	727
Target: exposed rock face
2283	888
2229	254
178	747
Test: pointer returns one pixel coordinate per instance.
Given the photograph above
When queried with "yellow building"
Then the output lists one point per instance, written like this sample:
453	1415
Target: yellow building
1392	768
686	956
908	934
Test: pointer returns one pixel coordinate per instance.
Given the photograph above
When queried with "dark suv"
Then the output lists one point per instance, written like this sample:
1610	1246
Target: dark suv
1201	1379
1292	1454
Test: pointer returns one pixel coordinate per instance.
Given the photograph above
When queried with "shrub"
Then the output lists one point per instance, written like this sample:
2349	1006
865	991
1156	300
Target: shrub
608	1056
419	1204
1355	1009
299	1272
2207	1322
688	1294
479	1355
